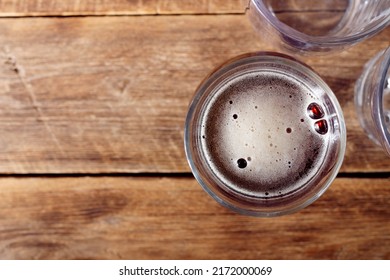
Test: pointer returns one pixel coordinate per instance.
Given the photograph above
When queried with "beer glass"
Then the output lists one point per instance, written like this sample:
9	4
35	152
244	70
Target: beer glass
264	135
372	99
318	26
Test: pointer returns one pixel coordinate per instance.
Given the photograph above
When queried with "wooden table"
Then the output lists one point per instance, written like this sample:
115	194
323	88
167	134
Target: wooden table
93	98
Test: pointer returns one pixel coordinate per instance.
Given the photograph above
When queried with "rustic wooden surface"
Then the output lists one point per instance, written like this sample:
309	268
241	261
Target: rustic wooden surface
117	7
13	8
110	94
105	96
172	218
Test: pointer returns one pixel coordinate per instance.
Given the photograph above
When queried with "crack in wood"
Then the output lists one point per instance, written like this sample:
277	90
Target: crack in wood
21	74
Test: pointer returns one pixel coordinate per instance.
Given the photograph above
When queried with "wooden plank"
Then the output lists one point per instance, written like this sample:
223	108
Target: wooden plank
110	94
117	7
22	8
162	218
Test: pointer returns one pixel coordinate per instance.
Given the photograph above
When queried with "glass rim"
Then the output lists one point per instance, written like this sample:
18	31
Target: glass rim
378	105
323	41
208	82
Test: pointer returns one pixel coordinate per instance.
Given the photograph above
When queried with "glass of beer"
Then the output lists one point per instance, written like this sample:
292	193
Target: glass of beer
372	99
264	135
318	26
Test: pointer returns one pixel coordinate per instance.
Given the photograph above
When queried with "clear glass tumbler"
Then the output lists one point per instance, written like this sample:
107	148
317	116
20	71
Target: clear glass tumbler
318	26
264	135
372	99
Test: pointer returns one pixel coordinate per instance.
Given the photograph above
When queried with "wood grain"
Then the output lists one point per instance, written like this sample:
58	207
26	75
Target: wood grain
110	94
163	218
117	7
12	8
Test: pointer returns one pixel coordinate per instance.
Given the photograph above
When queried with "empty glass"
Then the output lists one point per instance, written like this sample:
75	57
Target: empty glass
372	99
318	26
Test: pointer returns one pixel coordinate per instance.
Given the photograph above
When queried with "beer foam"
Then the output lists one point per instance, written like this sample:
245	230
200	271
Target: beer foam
258	137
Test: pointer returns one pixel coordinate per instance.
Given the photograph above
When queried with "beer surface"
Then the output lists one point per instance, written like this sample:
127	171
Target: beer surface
259	136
